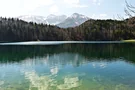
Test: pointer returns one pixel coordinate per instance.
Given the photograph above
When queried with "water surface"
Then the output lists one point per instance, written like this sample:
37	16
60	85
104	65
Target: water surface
68	67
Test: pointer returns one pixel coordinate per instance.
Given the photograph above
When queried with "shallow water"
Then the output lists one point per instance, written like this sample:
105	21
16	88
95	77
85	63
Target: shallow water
68	67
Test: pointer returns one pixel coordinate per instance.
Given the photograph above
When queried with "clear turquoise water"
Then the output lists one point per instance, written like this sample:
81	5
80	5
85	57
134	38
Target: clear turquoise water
68	67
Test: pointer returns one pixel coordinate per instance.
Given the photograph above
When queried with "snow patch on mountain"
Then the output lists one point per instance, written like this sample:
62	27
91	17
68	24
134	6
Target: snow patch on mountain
54	19
36	19
74	20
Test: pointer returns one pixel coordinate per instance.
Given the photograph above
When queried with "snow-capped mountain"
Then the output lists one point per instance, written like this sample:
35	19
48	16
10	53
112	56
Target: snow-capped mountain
58	20
51	19
74	20
54	19
36	19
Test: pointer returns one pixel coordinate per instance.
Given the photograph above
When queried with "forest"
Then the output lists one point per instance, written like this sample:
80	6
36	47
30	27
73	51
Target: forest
12	30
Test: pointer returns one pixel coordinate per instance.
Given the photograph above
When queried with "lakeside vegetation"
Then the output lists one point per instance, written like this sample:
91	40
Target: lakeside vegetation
132	40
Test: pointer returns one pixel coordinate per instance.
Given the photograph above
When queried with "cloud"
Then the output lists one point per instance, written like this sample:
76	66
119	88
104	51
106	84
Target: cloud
103	15
74	3
97	2
54	9
99	16
33	4
80	6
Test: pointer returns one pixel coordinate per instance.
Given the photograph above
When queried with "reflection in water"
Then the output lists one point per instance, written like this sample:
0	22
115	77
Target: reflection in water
48	82
68	67
105	52
54	71
101	65
1	83
69	82
39	82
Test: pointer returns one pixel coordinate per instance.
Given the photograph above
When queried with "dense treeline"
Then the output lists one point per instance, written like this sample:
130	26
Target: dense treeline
18	30
105	30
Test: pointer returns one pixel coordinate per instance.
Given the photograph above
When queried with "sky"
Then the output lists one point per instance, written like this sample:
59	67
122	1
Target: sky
97	9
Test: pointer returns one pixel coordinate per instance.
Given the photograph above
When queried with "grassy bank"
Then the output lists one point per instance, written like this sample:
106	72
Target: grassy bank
131	40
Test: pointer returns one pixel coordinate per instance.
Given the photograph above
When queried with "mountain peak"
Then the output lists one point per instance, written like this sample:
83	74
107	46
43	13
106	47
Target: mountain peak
74	20
77	15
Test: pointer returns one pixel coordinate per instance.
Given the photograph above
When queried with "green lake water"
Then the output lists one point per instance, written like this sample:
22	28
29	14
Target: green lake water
68	67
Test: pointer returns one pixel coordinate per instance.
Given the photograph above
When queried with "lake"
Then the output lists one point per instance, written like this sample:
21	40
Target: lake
76	66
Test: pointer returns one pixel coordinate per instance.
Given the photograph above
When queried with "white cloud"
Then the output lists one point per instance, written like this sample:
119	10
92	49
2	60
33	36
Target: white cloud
72	1
93	16
32	4
80	6
103	15
75	3
54	9
97	2
99	16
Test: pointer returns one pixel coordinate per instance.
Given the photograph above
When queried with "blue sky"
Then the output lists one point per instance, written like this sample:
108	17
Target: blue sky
98	9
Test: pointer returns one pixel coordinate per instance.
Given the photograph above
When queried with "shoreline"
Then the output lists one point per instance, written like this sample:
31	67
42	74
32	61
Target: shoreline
65	42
